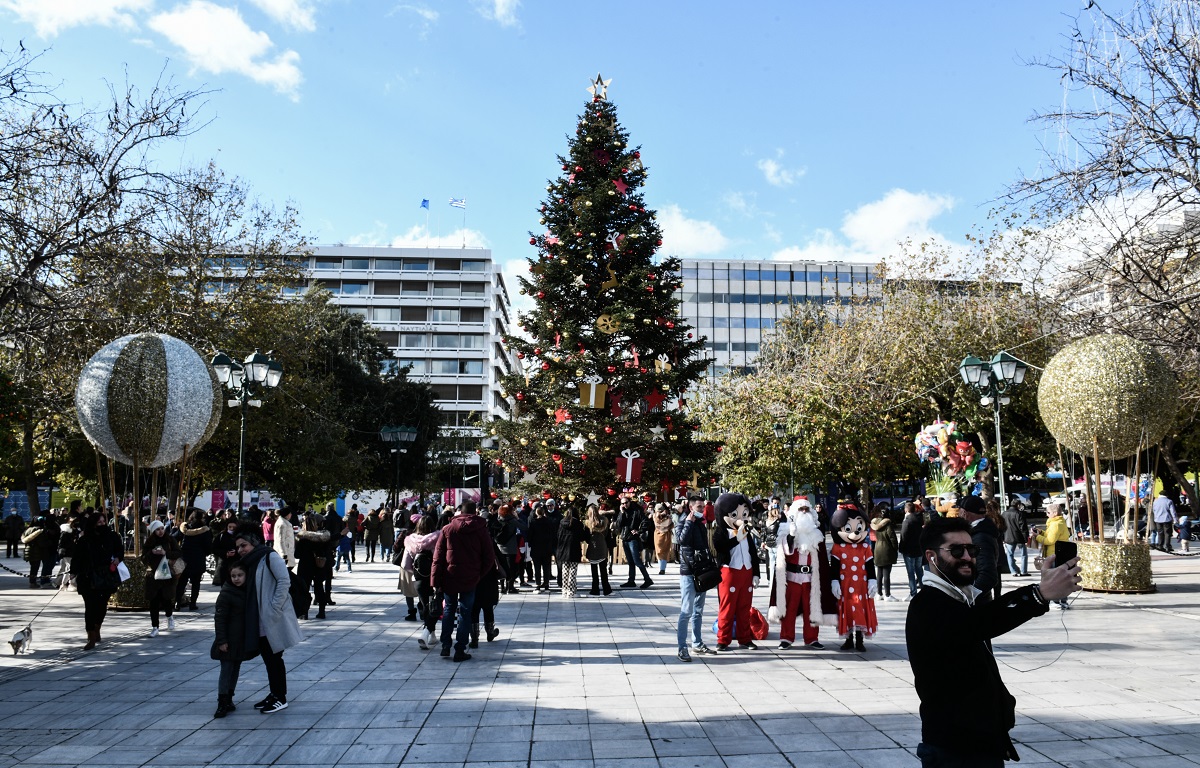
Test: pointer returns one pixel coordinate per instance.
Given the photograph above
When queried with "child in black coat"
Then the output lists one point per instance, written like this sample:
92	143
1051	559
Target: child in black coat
229	645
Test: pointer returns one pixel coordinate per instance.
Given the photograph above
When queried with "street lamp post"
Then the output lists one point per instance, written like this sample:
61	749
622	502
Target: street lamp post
246	381
402	436
993	380
781	433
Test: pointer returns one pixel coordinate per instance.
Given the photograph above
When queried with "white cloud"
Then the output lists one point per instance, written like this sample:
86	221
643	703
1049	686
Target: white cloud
49	17
688	237
428	14
774	172
216	39
503	12
419	237
294	14
872	232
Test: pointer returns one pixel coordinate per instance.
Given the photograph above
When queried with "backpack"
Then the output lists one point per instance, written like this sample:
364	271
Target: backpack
423	565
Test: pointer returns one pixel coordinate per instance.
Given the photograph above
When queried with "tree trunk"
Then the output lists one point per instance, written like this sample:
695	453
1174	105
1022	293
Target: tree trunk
31	485
1165	450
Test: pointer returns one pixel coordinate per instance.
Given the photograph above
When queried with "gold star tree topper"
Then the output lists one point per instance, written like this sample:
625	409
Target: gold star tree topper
599	87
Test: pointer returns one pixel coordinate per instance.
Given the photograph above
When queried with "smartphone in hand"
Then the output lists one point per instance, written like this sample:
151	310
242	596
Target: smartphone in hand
1064	552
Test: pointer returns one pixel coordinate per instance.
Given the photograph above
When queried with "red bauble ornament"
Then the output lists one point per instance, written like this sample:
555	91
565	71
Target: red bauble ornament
579	169
520	355
612	492
520	396
633	207
524	468
612	369
637	154
650	288
541	294
668	419
492	494
545	494
564	167
537	350
578	234
660	242
533	241
545	366
608	430
720	448
689	335
641	370
499	462
583	457
670	325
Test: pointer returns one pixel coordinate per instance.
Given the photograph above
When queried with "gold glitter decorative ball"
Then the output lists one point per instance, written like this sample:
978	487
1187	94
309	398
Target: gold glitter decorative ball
1110	388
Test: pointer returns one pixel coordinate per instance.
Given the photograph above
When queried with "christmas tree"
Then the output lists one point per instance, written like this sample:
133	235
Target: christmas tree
600	402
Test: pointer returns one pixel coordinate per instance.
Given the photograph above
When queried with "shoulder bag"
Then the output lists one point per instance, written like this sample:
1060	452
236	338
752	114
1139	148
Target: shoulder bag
706	572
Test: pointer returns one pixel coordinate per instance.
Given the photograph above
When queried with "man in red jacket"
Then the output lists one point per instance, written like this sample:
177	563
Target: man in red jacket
463	554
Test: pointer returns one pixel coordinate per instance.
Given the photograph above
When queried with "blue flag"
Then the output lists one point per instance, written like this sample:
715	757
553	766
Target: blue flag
425	204
457	203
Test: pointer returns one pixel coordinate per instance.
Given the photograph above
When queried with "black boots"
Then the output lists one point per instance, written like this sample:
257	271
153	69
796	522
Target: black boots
93	638
854	642
225	705
492	632
474	636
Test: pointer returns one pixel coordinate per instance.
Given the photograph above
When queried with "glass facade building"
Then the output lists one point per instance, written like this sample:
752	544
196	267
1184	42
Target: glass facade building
735	303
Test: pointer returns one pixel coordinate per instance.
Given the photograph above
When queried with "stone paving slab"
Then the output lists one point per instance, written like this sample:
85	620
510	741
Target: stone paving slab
589	683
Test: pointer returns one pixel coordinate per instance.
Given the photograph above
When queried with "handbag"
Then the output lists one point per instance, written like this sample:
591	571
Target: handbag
706	572
123	571
178	566
162	571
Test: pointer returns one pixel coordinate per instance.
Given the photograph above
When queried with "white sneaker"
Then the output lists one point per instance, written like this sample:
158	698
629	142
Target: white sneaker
171	622
154	632
1055	606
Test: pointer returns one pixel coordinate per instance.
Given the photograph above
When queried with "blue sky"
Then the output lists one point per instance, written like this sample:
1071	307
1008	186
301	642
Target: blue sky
780	129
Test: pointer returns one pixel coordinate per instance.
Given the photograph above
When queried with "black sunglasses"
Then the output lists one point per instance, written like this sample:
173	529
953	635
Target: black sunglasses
957	550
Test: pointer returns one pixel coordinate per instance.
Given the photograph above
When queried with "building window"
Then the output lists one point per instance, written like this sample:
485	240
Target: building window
471	315
360	311
474	266
409	288
326	263
387	287
391	338
445	289
445	265
415	366
387	265
414	341
416	265
356	263
470	367
443	315
445	340
354	289
471	341
473	289
470	392
445	367
412	314
444	391
385	314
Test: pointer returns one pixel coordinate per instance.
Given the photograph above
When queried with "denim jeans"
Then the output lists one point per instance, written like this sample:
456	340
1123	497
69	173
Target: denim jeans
912	564
458	606
691	610
1012	558
633	553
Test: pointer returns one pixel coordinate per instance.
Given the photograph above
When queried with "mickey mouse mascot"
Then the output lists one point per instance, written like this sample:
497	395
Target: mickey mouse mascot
739	570
801	585
854	576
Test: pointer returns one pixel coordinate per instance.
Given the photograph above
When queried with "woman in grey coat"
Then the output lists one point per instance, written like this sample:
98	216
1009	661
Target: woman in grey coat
271	623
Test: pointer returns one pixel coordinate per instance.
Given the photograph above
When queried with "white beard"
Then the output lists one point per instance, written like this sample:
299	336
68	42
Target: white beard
806	534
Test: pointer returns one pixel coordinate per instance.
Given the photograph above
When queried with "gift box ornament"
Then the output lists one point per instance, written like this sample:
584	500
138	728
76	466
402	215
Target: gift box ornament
592	391
662	364
629	466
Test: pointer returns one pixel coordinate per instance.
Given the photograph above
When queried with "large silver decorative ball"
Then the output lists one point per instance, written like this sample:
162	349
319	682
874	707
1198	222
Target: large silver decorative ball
1108	388
144	397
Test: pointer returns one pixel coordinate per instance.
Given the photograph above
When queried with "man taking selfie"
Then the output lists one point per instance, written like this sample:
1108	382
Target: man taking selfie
966	712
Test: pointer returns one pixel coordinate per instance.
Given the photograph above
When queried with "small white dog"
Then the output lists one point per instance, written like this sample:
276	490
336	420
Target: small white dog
22	641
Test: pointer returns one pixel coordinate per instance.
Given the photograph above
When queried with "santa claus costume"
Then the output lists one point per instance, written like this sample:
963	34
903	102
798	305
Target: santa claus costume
801	585
739	570
854	574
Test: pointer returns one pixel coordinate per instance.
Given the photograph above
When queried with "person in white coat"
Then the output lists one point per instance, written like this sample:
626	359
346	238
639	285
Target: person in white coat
271	623
285	537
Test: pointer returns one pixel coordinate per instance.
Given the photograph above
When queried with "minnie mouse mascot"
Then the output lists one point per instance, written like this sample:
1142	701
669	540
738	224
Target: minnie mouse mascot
854	576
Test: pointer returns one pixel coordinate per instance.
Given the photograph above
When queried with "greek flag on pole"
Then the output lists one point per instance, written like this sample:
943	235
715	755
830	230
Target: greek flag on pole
425	204
457	203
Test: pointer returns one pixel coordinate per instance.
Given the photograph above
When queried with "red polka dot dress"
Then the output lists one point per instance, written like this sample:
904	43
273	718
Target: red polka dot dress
856	611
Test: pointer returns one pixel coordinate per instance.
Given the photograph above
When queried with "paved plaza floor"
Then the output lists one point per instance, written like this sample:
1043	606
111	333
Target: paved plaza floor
586	682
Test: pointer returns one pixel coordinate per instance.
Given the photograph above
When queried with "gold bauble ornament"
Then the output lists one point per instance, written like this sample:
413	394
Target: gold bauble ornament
674	462
524	441
1108	388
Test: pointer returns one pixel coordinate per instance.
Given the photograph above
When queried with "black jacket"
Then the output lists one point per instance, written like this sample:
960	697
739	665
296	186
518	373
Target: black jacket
987	576
230	621
723	543
1017	531
693	536
977	725
543	537
571	532
910	534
